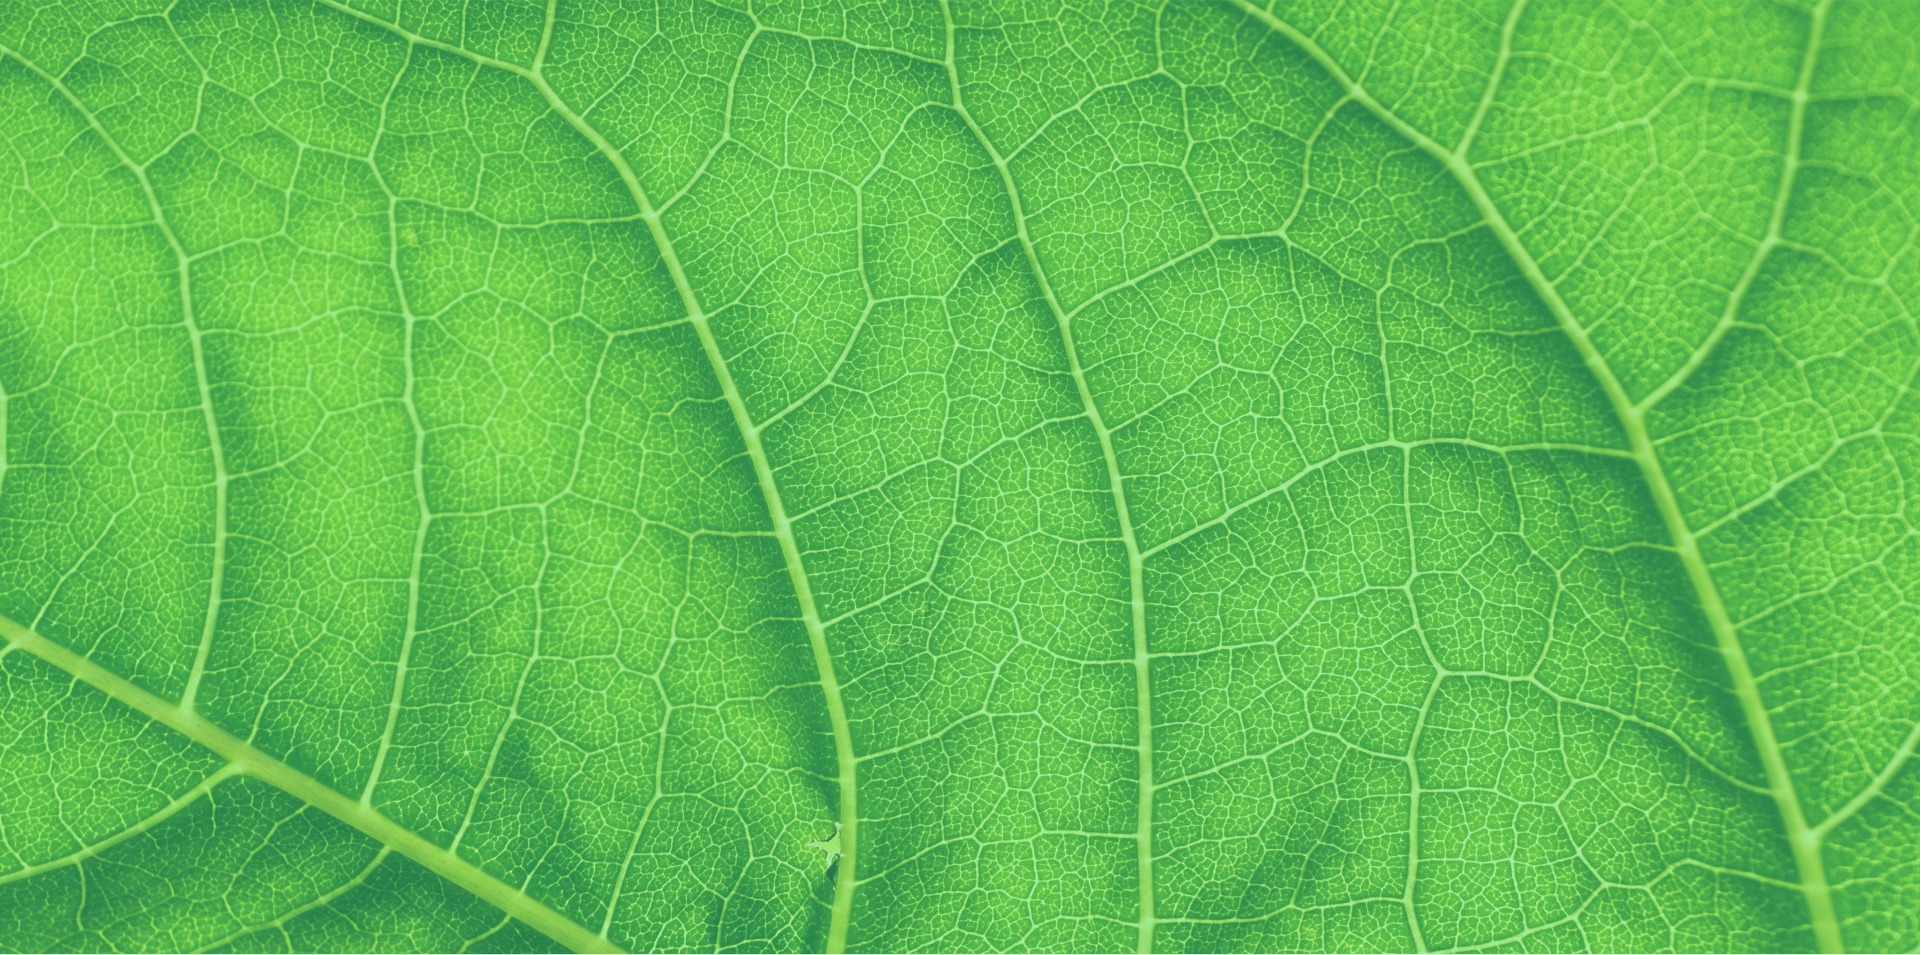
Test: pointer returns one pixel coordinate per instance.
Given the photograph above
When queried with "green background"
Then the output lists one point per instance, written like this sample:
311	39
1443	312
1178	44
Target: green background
972	475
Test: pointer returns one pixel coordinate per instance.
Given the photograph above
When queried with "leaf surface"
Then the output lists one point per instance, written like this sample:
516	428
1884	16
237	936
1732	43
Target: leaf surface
958	475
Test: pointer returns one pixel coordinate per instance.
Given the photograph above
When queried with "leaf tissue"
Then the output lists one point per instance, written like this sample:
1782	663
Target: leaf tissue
959	475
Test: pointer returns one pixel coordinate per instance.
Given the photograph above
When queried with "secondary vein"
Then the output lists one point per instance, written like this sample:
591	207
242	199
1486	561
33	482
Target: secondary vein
1803	841
1142	685
211	617
1776	219
844	881
164	813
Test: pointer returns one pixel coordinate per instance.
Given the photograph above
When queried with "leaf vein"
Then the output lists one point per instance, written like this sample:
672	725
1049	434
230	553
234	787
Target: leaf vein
1803	841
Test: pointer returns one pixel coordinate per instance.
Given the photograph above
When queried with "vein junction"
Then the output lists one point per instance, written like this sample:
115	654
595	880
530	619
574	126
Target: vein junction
1120	480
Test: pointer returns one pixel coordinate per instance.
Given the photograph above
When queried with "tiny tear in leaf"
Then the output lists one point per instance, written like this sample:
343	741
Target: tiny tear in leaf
831	847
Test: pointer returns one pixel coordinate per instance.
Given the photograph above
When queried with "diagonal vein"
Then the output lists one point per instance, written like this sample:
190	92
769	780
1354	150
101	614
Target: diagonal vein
512	900
777	511
1802	839
1776	219
164	813
181	717
844	881
1143	690
253	762
409	394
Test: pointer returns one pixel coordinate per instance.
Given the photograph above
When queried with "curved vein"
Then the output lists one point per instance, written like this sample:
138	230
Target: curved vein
1802	839
1143	690
322	900
750	435
782	526
408	394
1789	170
201	379
159	816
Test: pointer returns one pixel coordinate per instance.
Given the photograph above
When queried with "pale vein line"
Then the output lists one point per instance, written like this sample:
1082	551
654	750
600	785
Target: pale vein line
1143	691
1494	76
1359	449
321	901
750	436
782	527
201	378
1803	841
468	876
159	816
1414	791
408	399
1873	789
1789	170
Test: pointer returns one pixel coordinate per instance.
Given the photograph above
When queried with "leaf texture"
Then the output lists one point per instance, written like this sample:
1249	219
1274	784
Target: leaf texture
959	475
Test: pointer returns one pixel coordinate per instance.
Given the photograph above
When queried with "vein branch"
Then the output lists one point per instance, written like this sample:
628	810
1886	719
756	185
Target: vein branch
202	380
1136	559
444	862
1776	219
844	881
1803	840
440	861
164	813
409	395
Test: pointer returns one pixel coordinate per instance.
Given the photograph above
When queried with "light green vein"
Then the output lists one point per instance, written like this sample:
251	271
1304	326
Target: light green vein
1316	466
844	881
1803	840
514	902
1874	789
1136	560
1501	58
782	526
181	717
1789	171
159	816
409	399
320	901
211	617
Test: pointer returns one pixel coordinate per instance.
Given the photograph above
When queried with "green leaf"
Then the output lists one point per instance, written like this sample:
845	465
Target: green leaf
959	474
